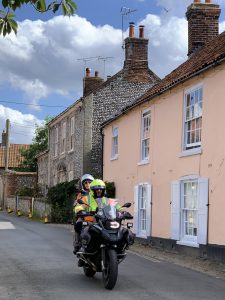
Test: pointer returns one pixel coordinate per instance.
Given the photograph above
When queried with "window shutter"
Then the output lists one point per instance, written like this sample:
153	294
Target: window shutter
202	211
149	206
175	210
136	209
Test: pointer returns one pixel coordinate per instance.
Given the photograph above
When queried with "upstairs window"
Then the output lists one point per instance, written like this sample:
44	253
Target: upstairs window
193	119
145	135
56	141
115	142
71	133
63	137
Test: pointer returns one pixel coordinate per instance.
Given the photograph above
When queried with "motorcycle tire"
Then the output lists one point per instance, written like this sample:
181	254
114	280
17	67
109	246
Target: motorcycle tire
88	271
110	273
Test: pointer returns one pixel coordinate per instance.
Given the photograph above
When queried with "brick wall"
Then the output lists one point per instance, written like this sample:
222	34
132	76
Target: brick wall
203	24
109	100
71	160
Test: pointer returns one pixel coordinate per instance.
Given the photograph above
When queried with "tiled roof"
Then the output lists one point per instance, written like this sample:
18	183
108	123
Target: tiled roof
212	54
15	157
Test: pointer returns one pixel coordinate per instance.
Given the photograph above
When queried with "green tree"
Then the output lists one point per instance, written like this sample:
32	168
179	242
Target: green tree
8	23
39	144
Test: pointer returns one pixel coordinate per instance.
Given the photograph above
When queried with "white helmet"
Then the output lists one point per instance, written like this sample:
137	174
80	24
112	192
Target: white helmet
86	177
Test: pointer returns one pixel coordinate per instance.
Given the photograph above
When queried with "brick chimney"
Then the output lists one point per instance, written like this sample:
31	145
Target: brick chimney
91	83
3	139
203	23
136	55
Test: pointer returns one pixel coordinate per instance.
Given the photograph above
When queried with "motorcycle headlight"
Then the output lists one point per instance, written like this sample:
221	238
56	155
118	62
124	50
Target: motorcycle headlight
114	224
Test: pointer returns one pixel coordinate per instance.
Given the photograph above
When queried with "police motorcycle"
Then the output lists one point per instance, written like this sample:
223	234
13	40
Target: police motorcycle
104	242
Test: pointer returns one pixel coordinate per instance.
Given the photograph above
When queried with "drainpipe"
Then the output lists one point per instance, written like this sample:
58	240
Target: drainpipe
102	134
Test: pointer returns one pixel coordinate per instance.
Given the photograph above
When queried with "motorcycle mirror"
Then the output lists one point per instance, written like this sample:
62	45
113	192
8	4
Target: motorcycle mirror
128	204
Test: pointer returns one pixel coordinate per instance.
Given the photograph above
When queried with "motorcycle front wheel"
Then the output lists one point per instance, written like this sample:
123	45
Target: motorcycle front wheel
110	272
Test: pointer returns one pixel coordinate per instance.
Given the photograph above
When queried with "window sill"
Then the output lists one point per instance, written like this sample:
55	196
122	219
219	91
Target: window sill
114	158
191	152
143	162
188	243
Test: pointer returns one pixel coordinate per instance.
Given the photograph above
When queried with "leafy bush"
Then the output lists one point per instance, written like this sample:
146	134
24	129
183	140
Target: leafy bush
61	198
29	191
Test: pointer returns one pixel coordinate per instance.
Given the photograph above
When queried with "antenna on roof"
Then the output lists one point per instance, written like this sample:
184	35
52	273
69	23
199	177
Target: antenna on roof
124	12
104	59
86	59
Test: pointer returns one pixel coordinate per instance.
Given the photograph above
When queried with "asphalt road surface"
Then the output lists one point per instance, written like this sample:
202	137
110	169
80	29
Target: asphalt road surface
36	262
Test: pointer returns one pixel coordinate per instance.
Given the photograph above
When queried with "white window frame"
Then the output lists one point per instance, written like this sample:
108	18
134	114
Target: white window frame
115	138
184	221
177	211
72	130
56	141
146	210
192	115
63	145
145	139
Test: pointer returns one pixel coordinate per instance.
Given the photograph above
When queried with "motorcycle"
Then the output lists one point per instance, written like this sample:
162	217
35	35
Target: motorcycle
104	242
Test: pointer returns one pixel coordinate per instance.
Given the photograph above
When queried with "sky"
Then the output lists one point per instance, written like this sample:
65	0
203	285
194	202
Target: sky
42	67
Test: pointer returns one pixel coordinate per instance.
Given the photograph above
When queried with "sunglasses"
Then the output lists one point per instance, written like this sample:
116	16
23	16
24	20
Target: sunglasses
85	182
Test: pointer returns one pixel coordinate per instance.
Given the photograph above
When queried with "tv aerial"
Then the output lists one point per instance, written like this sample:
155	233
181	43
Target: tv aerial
95	58
124	12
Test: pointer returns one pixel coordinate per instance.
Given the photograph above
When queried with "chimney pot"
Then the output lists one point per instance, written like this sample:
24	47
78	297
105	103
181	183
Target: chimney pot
131	29
96	73
208	1
197	1
141	31
88	72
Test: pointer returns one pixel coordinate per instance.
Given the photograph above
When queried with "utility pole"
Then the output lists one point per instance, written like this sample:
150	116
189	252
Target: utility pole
7	146
6	163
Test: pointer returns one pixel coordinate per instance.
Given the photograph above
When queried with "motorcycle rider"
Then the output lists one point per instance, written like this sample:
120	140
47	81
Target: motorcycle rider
95	200
84	194
97	197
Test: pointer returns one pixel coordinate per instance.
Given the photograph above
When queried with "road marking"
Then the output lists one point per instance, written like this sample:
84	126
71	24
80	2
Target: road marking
6	225
146	257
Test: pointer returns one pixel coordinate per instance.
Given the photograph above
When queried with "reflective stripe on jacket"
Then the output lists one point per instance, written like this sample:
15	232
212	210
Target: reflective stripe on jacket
94	203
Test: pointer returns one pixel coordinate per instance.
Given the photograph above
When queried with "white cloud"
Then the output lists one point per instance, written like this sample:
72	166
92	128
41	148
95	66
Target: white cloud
22	125
43	57
167	42
46	57
222	26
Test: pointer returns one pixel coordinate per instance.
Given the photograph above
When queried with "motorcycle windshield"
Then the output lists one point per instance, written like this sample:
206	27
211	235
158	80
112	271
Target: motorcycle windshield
109	209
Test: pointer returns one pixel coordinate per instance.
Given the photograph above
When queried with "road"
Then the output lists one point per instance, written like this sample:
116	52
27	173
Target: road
36	262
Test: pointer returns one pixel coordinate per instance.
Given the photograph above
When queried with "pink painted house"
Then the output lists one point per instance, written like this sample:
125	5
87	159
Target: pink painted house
166	151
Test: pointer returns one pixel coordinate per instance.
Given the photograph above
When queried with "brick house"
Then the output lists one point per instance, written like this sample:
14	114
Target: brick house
170	147
75	140
15	157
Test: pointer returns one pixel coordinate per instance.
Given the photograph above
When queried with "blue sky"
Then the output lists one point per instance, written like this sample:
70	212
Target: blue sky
42	65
